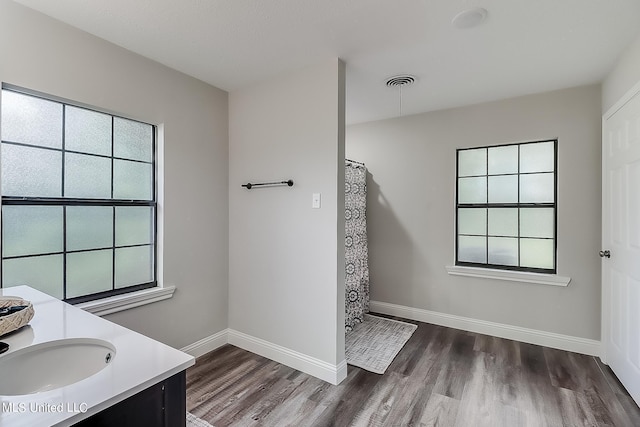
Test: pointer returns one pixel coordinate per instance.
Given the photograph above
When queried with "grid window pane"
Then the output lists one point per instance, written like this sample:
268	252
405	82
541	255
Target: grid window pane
537	253
503	222
87	131
87	176
89	272
134	266
472	249
78	200
43	273
537	157
31	172
89	227
503	251
30	120
472	190
134	225
30	230
537	222
506	211
132	140
537	188
132	180
472	221
503	160
472	162
503	189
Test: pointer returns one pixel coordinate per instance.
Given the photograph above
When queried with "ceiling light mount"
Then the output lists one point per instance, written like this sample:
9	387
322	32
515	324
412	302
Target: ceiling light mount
470	18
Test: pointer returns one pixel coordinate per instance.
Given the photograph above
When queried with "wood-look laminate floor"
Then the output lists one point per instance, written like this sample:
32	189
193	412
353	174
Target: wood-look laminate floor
442	377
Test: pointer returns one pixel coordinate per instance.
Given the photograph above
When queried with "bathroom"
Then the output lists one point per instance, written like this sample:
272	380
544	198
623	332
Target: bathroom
264	270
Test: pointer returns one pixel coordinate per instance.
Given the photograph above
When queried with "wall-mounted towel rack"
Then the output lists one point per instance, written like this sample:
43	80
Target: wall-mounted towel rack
249	185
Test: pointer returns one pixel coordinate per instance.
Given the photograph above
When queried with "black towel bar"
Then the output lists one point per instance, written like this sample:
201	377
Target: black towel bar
249	185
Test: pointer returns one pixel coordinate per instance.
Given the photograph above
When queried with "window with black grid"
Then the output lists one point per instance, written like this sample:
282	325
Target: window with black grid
78	198
506	206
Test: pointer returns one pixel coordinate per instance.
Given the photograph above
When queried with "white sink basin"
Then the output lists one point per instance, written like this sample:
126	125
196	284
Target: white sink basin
50	365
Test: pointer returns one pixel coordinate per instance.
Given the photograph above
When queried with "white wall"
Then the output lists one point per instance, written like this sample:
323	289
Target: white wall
623	76
42	54
286	260
411	187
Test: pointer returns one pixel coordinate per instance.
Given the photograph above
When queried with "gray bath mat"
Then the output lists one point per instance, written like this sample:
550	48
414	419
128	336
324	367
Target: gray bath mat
374	343
193	421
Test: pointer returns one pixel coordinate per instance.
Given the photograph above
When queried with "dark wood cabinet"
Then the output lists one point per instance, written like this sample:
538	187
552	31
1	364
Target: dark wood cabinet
162	404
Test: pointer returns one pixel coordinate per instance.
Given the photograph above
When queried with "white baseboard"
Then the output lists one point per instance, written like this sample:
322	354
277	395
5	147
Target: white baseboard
516	333
207	344
333	374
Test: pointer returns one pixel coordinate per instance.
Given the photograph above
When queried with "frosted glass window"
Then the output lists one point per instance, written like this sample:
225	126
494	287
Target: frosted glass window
472	221
537	157
503	222
78	200
134	266
537	222
537	188
472	162
472	190
43	273
30	120
87	131
89	227
31	172
503	251
134	225
503	189
472	249
87	176
89	272
503	160
30	230
537	253
507	207
132	140
132	180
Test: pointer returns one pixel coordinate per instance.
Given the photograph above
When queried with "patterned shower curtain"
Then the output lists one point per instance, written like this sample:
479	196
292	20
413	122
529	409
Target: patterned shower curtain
356	251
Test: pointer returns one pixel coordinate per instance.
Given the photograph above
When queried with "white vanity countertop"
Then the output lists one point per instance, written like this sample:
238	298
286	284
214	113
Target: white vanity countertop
139	362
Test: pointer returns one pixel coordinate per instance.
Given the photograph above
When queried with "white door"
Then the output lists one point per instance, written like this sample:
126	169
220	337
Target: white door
621	238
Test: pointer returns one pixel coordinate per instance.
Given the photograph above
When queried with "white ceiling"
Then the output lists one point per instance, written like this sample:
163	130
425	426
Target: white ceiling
525	46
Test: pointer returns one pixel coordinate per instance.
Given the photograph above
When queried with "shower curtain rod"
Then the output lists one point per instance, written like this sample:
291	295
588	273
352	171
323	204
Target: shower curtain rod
353	161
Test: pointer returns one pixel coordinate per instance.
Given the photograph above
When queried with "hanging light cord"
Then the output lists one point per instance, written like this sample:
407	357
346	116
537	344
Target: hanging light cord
399	81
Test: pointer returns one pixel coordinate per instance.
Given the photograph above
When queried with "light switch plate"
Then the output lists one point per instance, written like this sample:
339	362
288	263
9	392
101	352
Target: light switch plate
315	201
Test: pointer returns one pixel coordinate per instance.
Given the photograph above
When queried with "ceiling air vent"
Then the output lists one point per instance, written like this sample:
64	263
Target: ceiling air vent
401	80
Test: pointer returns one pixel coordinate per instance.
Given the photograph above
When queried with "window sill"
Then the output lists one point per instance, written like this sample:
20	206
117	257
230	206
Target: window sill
514	276
123	302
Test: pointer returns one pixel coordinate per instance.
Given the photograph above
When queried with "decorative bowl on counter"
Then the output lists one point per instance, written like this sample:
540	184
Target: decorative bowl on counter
17	319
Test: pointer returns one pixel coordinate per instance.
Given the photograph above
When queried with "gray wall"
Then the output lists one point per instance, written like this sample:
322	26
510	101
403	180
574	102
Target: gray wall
286	268
624	75
411	187
42	54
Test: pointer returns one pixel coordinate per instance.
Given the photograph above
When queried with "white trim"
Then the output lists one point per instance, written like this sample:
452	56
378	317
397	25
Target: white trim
531	336
514	276
207	344
333	374
123	302
621	102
